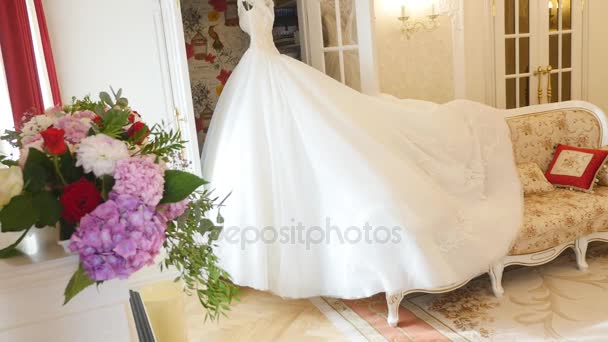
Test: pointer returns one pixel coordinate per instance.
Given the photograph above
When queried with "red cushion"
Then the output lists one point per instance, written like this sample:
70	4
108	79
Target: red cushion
575	167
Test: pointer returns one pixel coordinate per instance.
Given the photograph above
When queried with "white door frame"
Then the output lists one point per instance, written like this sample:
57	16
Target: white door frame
366	31
176	76
304	34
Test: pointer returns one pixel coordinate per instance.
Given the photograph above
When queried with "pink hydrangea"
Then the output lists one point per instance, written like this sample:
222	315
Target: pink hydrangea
171	211
75	129
85	114
140	177
118	238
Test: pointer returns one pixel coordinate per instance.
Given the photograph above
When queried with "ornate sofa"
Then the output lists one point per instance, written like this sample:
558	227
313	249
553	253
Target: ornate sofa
556	220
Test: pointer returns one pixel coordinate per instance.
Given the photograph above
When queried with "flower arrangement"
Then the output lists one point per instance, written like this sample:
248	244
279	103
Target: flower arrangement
98	172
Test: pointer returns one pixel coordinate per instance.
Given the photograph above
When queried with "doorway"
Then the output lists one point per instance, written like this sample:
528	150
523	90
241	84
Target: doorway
538	49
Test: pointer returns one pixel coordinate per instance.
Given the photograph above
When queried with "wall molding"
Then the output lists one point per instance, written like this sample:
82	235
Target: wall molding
455	10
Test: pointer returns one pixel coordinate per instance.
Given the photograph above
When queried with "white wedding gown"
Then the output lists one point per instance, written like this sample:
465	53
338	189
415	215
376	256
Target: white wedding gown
297	150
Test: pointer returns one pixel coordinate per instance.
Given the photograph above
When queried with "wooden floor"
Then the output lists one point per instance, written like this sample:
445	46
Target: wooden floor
258	316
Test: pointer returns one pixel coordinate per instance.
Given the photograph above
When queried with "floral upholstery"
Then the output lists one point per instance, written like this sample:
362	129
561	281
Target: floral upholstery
535	136
560	216
532	179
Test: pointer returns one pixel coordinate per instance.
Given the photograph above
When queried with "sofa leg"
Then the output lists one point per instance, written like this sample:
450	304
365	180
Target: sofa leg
393	300
496	271
580	248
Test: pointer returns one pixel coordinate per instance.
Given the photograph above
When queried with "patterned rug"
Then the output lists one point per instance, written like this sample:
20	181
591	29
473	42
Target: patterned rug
554	302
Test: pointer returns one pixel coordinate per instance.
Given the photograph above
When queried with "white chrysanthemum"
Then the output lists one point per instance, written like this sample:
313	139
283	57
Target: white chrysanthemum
37	124
99	154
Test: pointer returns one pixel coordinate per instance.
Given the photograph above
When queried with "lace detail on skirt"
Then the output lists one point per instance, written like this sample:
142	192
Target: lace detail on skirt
456	238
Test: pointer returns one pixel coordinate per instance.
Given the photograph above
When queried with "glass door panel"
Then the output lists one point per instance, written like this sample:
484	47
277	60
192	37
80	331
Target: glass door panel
341	50
329	22
538	51
558	52
517	43
348	21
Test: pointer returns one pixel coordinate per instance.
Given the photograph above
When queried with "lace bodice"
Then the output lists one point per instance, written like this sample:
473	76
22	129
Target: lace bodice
256	18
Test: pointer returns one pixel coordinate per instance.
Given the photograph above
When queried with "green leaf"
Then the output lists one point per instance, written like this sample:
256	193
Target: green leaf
123	102
12	137
50	212
113	122
179	185
105	97
8	162
117	94
37	169
164	142
107	183
79	281
11	251
68	168
66	230
19	214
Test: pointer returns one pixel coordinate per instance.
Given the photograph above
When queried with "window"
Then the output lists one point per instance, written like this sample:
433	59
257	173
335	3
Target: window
6	113
43	75
41	43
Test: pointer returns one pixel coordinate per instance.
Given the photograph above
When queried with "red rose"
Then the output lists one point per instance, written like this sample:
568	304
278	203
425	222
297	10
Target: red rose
79	199
54	140
98	121
139	132
134	115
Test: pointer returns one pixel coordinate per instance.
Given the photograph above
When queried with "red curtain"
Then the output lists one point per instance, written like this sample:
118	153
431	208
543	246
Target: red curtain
19	59
48	52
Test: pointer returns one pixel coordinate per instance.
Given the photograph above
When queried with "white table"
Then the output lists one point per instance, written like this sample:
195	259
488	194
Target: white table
31	297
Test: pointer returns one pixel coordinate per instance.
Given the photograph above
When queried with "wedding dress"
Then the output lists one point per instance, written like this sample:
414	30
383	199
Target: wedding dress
337	193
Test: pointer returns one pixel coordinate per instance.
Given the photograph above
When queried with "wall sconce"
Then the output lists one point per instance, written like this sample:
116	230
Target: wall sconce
410	25
553	12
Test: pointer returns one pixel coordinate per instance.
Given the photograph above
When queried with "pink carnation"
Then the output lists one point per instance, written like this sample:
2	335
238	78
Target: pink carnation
140	177
118	238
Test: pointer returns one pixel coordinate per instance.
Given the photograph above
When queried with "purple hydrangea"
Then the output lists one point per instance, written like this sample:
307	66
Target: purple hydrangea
118	238
170	212
140	177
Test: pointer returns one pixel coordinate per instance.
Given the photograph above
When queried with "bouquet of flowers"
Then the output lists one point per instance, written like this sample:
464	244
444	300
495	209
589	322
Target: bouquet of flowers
97	171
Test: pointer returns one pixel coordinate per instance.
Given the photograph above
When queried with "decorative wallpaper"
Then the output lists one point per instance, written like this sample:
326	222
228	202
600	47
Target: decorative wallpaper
421	67
214	44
